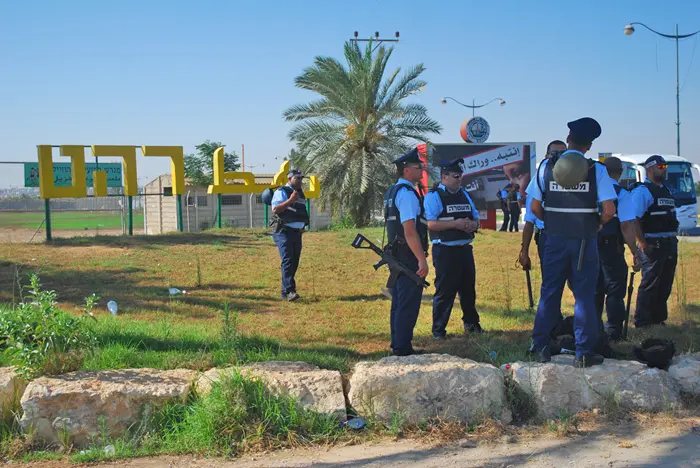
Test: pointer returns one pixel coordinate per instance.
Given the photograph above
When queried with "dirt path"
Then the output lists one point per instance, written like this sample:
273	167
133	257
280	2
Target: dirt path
618	447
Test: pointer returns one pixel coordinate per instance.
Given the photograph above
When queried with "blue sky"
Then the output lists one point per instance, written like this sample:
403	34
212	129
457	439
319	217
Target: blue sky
176	73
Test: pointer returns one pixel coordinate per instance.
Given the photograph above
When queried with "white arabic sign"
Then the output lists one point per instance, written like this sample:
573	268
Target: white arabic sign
493	159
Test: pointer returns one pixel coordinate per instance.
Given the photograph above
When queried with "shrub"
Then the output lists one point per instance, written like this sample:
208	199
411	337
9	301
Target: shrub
35	335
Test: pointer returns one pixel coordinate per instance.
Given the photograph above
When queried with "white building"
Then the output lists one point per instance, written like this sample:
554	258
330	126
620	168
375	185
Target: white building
199	208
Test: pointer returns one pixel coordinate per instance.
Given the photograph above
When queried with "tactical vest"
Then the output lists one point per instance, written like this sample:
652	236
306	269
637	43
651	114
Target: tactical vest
612	227
454	206
661	215
296	213
571	212
392	218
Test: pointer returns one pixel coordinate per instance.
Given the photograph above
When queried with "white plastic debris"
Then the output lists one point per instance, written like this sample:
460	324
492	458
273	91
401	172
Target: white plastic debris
110	450
112	307
175	291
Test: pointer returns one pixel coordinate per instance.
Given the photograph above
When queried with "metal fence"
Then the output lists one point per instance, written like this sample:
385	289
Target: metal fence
24	220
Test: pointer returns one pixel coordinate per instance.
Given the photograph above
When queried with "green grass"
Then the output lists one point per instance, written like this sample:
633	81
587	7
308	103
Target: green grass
62	220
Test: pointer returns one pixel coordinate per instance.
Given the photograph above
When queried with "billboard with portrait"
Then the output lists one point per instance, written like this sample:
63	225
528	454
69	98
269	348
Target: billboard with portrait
489	168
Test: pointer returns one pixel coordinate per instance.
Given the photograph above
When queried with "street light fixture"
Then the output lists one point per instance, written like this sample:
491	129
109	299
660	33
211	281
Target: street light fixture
502	102
629	30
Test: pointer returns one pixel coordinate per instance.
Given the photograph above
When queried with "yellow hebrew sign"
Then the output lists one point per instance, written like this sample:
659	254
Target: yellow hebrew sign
248	179
78	189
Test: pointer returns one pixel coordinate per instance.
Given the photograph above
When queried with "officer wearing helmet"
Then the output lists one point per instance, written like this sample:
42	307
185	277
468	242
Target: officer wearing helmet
565	194
452	221
289	219
655	230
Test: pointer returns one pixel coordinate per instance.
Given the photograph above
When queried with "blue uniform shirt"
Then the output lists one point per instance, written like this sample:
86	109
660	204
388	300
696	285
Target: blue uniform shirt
530	216
642	199
625	205
433	208
504	194
606	191
281	196
407	203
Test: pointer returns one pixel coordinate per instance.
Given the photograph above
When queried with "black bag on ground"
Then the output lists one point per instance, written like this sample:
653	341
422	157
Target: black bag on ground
655	352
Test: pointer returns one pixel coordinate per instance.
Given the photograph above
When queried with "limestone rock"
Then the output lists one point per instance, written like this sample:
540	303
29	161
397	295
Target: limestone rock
316	389
685	370
81	406
11	389
559	387
427	386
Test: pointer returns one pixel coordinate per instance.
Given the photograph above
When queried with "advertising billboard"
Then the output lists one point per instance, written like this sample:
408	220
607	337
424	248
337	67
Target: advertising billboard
489	168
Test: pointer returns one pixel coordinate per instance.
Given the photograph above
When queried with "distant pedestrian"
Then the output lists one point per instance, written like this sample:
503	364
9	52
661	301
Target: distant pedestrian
514	207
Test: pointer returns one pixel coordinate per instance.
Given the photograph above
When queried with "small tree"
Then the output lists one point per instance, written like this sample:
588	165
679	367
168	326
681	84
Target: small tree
199	167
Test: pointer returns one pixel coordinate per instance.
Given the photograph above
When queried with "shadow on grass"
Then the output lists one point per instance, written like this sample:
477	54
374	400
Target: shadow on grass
124	286
223	238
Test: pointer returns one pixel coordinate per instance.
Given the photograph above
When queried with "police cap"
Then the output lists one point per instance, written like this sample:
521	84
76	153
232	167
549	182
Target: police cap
412	157
455	165
654	160
586	129
294	173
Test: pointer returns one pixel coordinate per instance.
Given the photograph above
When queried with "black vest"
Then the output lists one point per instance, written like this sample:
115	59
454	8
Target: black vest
612	227
392	218
454	206
571	212
296	213
661	215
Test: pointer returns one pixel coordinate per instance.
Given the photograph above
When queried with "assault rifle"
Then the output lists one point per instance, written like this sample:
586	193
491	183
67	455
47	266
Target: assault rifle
395	267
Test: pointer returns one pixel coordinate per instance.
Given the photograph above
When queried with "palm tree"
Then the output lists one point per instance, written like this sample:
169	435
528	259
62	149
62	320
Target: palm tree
359	125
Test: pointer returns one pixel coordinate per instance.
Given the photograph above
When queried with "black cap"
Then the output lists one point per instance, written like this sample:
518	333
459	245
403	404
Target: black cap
408	158
654	160
455	165
585	129
294	173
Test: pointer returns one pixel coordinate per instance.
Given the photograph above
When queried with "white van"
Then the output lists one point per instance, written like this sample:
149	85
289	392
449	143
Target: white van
680	182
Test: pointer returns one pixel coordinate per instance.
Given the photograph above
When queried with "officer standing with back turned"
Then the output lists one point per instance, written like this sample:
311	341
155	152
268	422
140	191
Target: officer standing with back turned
289	219
655	230
570	189
407	233
612	278
452	222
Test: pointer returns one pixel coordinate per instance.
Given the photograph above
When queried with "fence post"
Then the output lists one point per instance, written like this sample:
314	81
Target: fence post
179	213
308	211
131	215
218	210
47	214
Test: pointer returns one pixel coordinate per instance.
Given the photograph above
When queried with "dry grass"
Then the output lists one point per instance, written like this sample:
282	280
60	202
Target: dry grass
342	310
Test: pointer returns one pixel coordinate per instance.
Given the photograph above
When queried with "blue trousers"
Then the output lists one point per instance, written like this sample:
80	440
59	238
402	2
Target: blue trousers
455	272
561	257
658	272
289	245
405	304
612	283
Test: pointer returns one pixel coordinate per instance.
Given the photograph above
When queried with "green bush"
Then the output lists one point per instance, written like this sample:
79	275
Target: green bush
36	336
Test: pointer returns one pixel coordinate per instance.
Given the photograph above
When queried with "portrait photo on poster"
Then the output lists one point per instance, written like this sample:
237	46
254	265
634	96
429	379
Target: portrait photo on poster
488	168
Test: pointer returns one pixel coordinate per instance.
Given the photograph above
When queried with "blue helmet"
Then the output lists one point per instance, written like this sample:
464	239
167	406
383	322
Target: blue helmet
267	196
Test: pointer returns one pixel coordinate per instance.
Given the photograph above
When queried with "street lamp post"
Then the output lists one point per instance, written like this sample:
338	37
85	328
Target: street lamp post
473	106
629	30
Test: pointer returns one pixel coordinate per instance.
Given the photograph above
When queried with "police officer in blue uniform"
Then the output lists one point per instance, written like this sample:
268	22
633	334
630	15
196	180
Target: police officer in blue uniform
290	217
612	277
533	224
452	221
655	229
407	233
503	197
570	213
